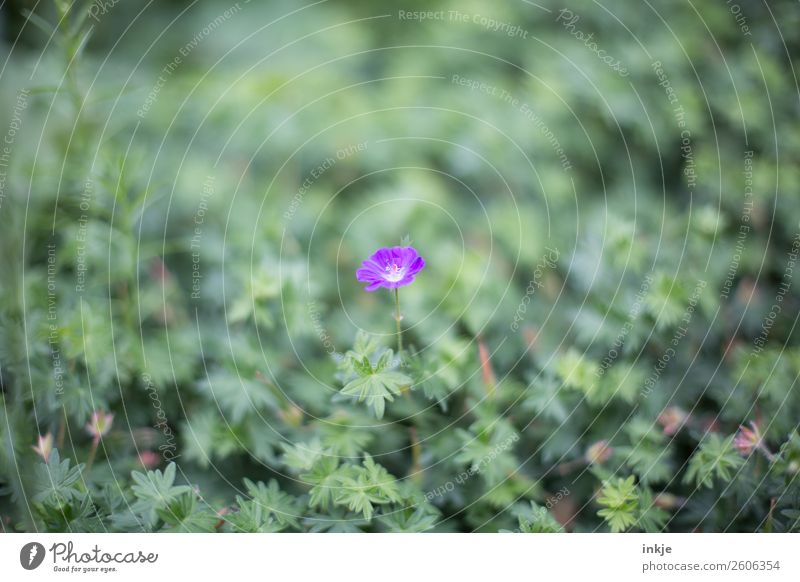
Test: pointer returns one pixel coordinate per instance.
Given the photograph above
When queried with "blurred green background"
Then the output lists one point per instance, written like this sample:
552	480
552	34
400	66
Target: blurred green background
210	175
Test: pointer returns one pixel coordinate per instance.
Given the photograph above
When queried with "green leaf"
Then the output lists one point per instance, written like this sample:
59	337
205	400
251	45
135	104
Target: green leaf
358	498
325	480
667	300
344	437
252	517
182	515
621	503
302	456
714	458
412	520
383	482
577	371
238	397
651	517
365	486
282	507
537	519
376	388
157	488
647	455
55	479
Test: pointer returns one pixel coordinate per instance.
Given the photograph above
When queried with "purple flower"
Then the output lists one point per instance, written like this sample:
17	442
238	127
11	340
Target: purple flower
391	268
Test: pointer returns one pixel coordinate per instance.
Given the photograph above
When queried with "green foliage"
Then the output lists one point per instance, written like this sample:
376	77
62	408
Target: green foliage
55	482
666	300
276	505
157	488
157	495
648	454
183	515
363	487
620	503
630	506
537	519
577	371
325	481
651	517
374	384
410	520
713	459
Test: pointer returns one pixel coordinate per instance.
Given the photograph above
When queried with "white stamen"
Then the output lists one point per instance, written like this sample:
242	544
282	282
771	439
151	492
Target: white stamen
394	272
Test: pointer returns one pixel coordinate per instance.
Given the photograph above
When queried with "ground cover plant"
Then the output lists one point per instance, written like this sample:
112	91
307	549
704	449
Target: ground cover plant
368	267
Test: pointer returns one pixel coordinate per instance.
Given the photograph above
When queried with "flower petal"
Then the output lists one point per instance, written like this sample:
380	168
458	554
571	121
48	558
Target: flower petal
416	266
385	265
381	257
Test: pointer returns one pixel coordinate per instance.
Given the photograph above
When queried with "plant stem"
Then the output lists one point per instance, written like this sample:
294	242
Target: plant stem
768	527
766	452
416	456
90	458
397	318
8	456
570	466
62	430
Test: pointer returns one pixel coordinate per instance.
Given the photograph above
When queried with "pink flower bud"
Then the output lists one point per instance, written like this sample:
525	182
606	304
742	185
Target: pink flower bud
100	424
672	420
149	459
747	440
599	452
44	446
159	271
668	501
487	373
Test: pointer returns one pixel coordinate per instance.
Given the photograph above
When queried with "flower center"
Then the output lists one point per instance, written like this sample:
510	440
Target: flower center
394	272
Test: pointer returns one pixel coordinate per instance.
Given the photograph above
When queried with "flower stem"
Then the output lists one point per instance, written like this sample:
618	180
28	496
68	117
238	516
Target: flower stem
90	459
416	456
62	430
570	466
766	452
397	318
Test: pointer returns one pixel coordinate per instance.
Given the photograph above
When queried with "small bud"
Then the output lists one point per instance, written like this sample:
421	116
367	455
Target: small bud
44	446
145	437
672	420
668	501
599	452
747	440
732	348
100	424
709	424
747	291
487	372
221	515
159	271
149	459
292	415
531	335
